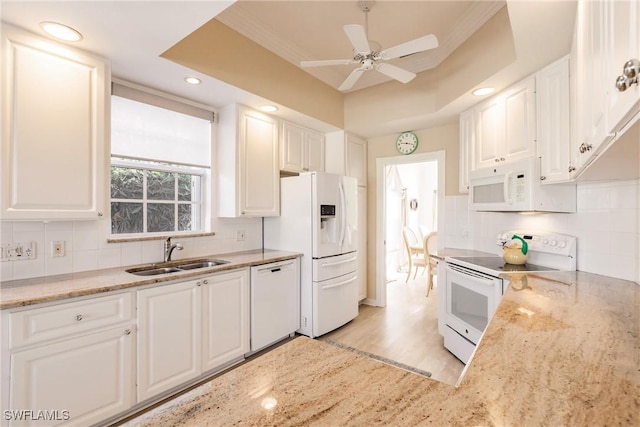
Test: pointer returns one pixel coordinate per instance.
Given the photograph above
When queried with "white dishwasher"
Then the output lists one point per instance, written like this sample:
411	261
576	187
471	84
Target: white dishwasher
275	302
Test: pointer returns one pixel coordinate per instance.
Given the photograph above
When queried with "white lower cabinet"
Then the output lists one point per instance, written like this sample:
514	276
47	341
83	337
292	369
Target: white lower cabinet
71	363
225	316
188	328
81	381
169	329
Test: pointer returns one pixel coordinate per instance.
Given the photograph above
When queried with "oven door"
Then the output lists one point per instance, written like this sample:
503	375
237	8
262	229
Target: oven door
471	300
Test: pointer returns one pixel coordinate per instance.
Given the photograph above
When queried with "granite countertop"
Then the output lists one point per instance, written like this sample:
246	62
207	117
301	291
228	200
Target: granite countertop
563	348
19	293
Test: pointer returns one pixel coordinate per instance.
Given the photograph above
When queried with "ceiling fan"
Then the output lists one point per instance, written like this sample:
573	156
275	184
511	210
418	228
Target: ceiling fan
367	53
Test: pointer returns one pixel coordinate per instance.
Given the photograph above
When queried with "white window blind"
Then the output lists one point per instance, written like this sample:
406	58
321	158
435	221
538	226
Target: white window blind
143	131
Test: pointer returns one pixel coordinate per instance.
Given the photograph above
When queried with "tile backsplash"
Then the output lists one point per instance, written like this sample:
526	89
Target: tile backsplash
86	246
606	224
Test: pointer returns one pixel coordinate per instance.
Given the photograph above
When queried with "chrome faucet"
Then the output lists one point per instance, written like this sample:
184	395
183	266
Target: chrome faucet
168	249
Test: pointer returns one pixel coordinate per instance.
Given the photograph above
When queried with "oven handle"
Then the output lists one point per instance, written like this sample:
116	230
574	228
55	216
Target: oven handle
486	280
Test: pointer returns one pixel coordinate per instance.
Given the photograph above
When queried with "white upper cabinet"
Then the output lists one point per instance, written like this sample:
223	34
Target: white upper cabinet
607	36
623	44
54	130
346	154
505	126
248	163
553	120
301	149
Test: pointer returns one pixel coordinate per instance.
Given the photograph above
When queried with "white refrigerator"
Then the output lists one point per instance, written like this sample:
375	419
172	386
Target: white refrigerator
319	218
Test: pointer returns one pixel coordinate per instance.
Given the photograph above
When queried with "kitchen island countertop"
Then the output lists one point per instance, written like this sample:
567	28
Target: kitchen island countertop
562	349
19	293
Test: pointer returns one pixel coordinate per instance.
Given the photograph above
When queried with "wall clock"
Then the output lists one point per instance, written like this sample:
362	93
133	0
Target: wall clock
407	143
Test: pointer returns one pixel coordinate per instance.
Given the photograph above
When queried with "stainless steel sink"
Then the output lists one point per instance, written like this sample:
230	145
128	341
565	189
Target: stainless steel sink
151	271
174	267
202	264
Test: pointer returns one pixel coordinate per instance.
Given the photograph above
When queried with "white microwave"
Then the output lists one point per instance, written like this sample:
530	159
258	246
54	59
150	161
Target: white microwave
516	187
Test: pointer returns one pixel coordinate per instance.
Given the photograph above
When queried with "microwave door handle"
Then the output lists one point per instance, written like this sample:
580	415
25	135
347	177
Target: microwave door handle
505	188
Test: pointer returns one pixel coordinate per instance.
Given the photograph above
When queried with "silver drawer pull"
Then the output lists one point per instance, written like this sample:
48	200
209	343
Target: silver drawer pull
79	317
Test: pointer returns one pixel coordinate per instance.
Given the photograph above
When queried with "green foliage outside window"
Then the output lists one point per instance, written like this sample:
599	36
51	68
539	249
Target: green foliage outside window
145	200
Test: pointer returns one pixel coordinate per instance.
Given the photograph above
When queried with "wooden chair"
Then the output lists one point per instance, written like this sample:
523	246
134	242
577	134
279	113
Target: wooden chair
430	247
415	252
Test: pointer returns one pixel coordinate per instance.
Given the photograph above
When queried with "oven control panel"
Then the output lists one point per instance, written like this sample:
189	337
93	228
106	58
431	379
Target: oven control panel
552	243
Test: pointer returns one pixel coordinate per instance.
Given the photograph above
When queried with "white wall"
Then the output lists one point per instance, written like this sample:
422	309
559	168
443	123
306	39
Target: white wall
606	224
87	248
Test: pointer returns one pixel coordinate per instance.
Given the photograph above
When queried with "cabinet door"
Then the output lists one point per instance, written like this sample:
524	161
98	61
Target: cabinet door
489	133
593	83
520	122
91	377
292	148
169	331
54	130
225	331
314	152
554	121
362	243
356	158
467	133
259	165
623	44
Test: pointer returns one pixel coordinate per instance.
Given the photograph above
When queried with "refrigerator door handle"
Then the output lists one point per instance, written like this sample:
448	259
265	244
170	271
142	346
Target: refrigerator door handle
335	285
331	264
343	214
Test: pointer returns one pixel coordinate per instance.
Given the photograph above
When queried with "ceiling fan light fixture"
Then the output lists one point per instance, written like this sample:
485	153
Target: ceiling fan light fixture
61	31
483	91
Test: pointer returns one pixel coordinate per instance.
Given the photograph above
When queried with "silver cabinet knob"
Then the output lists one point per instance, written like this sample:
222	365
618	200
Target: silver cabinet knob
127	332
542	178
571	168
198	283
79	317
205	282
629	77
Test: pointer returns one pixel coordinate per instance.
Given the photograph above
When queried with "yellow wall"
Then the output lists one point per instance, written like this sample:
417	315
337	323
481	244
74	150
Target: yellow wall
438	138
220	52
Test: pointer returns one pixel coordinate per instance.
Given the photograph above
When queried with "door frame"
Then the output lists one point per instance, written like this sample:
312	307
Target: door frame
381	205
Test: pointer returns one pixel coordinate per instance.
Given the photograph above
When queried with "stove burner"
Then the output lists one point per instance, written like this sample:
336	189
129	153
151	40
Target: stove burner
497	264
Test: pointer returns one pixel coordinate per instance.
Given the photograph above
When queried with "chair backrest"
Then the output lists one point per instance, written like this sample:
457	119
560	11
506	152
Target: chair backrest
430	245
409	237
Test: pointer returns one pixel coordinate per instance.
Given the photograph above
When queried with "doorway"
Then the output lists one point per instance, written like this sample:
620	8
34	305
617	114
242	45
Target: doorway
410	192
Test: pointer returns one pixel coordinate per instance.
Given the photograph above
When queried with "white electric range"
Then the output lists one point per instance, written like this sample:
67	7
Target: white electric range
473	286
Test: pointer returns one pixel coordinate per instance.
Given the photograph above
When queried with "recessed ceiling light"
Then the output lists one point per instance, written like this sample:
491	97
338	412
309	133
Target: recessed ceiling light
269	108
60	31
192	80
483	91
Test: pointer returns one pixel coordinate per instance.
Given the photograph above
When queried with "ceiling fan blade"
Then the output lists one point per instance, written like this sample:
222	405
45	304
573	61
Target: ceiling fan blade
394	72
323	62
418	45
358	37
352	79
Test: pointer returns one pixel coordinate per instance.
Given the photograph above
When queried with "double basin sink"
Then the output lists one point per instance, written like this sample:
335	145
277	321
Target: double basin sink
175	266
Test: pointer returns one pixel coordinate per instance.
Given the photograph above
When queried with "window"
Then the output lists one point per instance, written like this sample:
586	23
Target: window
160	165
154	198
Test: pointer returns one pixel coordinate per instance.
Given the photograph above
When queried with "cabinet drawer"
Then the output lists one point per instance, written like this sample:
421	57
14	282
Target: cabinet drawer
41	324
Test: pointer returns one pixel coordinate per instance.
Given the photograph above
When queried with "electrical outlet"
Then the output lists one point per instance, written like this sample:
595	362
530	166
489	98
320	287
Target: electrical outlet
57	248
240	236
